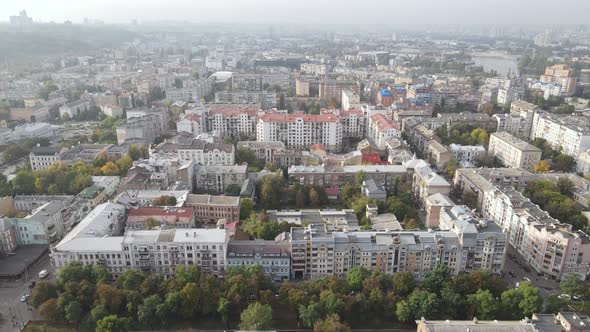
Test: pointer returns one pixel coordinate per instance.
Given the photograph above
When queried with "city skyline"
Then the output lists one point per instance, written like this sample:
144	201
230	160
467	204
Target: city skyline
306	12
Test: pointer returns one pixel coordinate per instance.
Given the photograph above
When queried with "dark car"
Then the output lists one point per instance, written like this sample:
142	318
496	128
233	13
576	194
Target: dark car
32	284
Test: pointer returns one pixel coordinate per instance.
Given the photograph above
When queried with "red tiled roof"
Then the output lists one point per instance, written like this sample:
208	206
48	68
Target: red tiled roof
193	117
275	117
317	146
351	112
384	123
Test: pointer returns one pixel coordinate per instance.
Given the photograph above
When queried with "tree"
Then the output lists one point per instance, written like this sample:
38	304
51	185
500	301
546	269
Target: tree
403	283
245	155
110	169
73	312
43	291
483	304
480	136
331	323
152	223
246	208
360	178
355	277
553	304
403	312
451	167
223	308
5	189
565	186
256	317
572	285
124	164
165	201
310	314
24	182
146	313
542	167
49	310
113	323
330	302
134	152
564	163
423	304
99	312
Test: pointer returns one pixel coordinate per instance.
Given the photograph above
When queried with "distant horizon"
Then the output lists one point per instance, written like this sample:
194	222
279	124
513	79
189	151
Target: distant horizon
302	12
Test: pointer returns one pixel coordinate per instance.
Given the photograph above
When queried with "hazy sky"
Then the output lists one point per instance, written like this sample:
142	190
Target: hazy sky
308	11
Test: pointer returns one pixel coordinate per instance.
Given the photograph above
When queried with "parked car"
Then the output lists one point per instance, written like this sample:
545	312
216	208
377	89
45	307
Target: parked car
43	274
517	284
32	284
526	279
563	296
25	298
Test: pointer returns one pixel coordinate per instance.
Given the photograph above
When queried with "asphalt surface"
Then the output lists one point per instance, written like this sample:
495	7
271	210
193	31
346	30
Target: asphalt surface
515	264
15	314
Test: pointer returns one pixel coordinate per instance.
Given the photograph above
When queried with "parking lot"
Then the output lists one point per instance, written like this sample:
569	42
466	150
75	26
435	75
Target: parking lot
14	312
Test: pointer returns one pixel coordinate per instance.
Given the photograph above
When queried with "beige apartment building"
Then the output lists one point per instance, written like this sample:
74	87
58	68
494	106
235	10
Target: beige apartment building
513	152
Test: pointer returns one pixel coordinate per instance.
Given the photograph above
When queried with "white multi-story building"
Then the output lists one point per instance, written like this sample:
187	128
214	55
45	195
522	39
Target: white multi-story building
153	251
513	152
190	123
569	133
350	99
381	129
232	122
548	246
43	157
300	131
519	121
74	108
467	155
314	69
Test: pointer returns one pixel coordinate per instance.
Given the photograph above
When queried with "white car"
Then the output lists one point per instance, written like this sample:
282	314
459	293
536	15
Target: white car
564	296
24	298
526	279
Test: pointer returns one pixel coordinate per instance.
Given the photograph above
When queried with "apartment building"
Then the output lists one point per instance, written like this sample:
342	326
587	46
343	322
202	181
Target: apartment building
74	108
300	131
349	99
338	176
332	90
142	129
232	122
548	246
161	251
425	181
467	155
519	121
563	75
215	179
263	150
317	69
354	123
43	157
381	129
150	251
272	256
302	88
210	209
191	123
264	100
195	92
259	82
513	152
163	217
478	180
344	219
317	252
199	151
569	133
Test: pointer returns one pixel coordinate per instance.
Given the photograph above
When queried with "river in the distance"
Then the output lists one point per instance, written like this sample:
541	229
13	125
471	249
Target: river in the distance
500	64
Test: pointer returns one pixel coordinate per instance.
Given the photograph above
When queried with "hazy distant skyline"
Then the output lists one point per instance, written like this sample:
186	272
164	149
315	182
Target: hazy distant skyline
308	11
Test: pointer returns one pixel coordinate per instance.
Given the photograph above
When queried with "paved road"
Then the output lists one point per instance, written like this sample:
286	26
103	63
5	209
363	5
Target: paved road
515	263
14	312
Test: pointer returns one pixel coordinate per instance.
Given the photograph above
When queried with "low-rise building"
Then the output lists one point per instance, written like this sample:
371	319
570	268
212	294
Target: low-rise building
43	157
209	209
74	108
215	179
344	219
382	129
271	255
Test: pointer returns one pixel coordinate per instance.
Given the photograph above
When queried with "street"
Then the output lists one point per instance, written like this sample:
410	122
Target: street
545	285
14	312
